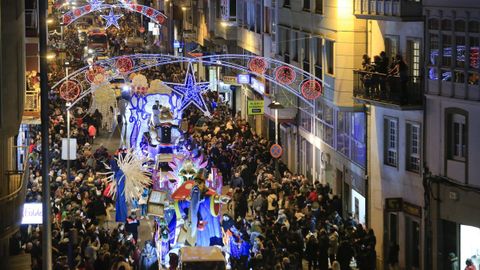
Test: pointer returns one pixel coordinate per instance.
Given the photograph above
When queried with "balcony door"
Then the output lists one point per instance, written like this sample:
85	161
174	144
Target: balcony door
414	58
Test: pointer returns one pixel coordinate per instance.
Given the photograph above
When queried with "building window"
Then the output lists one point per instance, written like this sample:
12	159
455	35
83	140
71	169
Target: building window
267	20
433	24
391	46
324	122
294	45
329	53
319	6
413	53
457	137
390	127
413	146
447	50
286	3
318	57
258	19
306	5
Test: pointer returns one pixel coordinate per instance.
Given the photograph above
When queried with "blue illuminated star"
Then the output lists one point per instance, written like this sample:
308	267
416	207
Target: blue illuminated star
191	91
112	19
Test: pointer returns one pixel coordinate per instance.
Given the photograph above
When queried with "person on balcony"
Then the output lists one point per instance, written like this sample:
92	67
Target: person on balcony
400	70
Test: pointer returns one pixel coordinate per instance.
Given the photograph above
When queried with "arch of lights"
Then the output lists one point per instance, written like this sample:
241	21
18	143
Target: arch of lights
283	75
98	5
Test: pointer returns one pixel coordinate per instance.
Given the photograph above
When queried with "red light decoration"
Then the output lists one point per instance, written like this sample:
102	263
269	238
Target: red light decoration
160	19
285	74
149	12
92	72
67	19
311	89
258	65
124	64
70	90
77	12
88	8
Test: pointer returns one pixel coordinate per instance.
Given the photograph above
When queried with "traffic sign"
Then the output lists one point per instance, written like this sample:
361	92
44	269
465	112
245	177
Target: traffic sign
276	150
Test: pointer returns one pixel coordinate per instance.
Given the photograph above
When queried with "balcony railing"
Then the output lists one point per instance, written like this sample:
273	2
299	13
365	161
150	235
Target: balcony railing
12	197
407	10
383	88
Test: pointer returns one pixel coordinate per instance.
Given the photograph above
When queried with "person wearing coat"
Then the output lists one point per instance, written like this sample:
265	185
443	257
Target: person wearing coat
311	252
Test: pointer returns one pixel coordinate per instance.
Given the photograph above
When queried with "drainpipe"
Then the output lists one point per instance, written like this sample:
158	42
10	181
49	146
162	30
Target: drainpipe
366	177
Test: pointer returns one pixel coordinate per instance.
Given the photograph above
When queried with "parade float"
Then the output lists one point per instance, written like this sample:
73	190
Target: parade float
186	195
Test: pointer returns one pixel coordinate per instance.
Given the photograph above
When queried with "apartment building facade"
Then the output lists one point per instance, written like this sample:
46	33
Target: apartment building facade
394	108
452	176
12	91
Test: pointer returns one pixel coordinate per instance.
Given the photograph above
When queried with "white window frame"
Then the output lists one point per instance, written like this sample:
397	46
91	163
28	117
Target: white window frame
461	147
413	150
391	141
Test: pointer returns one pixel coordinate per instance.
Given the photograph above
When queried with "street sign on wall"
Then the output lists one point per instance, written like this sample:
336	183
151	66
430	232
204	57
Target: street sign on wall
255	107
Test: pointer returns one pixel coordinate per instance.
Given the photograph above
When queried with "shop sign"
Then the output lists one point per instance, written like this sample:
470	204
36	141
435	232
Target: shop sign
399	205
32	213
393	204
412	209
255	107
258	86
243	78
230	80
177	44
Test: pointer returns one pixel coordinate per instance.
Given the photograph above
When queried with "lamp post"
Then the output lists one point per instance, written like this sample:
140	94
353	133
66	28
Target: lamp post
275	106
68	104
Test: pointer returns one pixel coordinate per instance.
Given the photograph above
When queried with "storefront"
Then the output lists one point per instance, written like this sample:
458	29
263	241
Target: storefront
403	231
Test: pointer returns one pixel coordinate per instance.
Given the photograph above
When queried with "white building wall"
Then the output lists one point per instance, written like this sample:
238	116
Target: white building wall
391	182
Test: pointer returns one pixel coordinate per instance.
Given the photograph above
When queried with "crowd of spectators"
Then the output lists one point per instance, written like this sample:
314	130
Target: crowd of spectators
278	223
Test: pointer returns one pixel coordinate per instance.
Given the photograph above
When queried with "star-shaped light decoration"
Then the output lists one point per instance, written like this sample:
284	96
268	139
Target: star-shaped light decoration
191	91
95	4
111	19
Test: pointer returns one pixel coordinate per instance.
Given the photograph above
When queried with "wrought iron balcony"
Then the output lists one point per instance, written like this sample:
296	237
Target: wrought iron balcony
12	197
385	89
396	10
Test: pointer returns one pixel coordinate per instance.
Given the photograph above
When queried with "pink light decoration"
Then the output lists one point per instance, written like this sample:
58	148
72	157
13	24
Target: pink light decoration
124	64
70	90
258	65
285	74
311	89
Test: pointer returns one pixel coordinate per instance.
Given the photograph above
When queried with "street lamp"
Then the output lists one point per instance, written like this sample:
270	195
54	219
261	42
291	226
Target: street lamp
68	105
275	105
